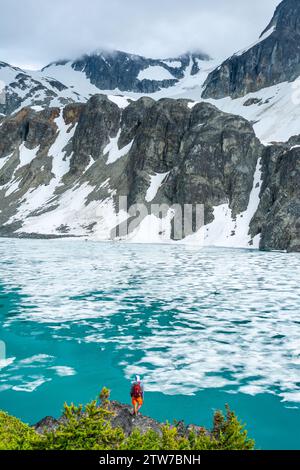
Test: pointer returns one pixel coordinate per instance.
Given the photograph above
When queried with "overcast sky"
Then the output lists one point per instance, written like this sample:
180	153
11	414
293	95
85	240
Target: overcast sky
36	32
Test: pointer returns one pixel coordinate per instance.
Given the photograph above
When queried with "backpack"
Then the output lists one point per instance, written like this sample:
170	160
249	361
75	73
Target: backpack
137	391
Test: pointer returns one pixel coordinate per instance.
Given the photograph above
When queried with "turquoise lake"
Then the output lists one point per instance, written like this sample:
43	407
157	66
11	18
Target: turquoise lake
204	327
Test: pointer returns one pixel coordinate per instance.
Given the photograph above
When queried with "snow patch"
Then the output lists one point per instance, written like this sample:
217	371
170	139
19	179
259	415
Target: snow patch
152	229
39	197
156	73
276	115
38	358
224	231
176	64
112	148
74	79
121	101
155	183
26	155
60	164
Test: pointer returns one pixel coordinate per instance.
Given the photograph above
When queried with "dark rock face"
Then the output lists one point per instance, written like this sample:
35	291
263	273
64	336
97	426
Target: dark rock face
33	130
120	70
218	159
278	214
98	121
28	127
71	113
157	144
275	59
209	157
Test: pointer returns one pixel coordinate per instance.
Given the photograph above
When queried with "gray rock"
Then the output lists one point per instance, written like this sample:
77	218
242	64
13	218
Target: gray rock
218	156
124	419
98	121
47	424
278	214
210	157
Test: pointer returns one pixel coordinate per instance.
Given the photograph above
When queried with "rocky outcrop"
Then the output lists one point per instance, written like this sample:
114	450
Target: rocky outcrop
122	417
98	121
34	130
278	214
62	172
275	58
218	159
47	424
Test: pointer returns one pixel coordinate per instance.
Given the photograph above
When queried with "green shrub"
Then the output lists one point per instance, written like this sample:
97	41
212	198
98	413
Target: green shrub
137	441
104	397
14	434
89	428
230	433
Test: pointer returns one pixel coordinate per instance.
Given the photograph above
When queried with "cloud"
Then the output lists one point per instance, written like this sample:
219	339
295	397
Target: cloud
33	33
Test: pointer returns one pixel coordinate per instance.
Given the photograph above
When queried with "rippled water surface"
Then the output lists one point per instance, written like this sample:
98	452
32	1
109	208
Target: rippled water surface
203	327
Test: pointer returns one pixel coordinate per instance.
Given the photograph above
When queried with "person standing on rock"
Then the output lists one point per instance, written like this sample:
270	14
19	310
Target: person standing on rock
137	394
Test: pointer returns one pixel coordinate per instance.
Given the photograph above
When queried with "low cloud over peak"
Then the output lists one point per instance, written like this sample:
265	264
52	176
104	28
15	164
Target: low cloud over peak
34	33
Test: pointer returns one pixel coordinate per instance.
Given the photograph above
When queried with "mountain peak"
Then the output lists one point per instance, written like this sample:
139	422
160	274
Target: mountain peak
274	59
126	72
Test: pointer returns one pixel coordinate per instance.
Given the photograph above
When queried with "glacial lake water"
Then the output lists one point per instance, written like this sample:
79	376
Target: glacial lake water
204	327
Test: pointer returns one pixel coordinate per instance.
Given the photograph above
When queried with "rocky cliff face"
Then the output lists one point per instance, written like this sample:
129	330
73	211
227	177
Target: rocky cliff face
278	214
275	58
62	172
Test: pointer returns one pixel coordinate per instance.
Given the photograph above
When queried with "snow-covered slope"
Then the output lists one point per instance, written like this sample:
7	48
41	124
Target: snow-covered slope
274	111
24	88
62	172
124	73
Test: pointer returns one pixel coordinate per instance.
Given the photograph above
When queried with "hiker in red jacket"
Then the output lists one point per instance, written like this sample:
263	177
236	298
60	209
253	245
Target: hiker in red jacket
137	394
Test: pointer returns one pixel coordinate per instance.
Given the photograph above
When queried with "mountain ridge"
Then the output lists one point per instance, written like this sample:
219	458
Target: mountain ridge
62	172
274	59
